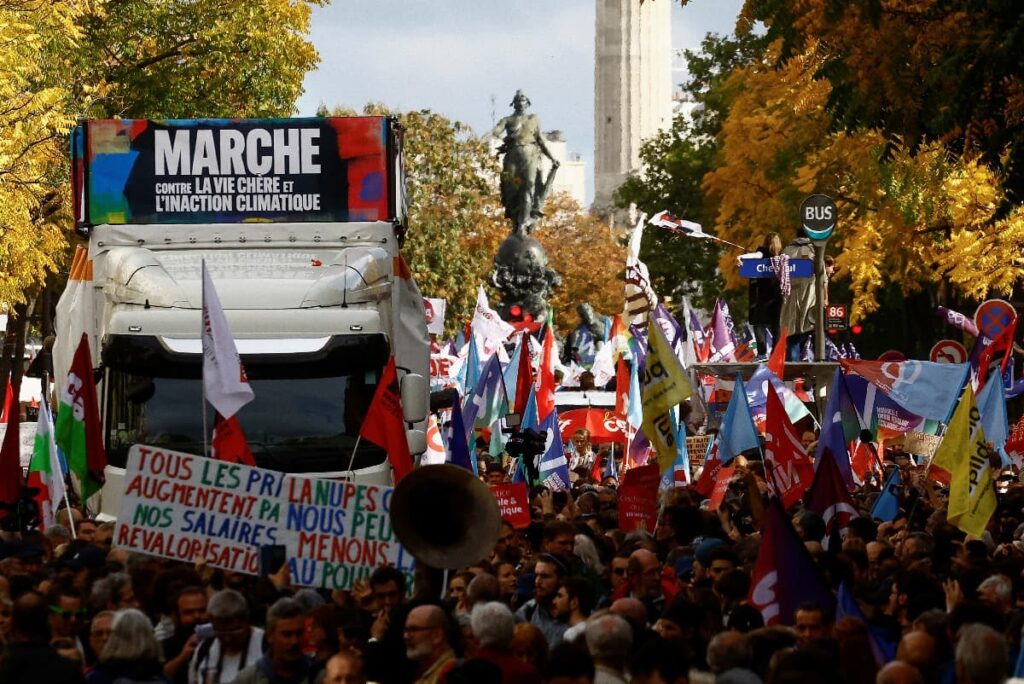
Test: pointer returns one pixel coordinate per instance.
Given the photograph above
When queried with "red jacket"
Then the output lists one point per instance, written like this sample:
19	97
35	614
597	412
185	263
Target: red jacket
513	670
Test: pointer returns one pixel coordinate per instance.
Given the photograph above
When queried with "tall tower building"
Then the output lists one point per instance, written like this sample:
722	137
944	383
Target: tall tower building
632	87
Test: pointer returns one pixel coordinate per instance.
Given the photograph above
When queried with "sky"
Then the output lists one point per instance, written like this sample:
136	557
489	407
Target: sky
466	58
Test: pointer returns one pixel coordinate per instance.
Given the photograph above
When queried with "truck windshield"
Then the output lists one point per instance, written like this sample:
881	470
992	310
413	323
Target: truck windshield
297	423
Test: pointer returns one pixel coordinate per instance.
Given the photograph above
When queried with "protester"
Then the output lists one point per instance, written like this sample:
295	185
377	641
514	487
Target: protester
29	658
493	625
234	645
549	571
131	654
283	662
609	640
188	613
428	645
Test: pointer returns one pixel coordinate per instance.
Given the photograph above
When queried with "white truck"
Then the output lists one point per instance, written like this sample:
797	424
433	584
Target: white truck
299	222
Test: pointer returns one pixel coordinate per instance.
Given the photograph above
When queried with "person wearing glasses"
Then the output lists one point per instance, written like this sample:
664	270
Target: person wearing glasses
67	614
427	643
235	643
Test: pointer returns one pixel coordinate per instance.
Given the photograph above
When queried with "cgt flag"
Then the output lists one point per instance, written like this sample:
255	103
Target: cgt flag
784	575
966	456
829	498
790	470
385	425
664	386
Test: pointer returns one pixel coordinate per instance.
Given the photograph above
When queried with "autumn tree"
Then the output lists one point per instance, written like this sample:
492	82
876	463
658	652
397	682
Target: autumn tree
674	163
588	255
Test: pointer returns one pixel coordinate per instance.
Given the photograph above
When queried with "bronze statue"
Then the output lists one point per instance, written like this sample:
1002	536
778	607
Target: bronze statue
523	187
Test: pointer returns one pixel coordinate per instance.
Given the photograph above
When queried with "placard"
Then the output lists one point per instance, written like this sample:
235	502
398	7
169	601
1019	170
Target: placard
514	503
638	498
183	507
137	171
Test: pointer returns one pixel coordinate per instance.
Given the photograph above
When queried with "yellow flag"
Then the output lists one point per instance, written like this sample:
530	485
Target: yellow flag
965	454
664	385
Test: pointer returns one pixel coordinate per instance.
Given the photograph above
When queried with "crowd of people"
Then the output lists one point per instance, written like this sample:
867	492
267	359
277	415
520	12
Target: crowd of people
569	599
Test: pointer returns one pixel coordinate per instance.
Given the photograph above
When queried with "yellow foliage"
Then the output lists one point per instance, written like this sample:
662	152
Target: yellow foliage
911	216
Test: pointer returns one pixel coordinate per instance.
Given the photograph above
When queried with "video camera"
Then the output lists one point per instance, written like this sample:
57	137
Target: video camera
23	514
527	444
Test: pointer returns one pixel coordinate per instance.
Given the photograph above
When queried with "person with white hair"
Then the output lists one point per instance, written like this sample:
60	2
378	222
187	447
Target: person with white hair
982	655
131	653
609	640
997	591
493	626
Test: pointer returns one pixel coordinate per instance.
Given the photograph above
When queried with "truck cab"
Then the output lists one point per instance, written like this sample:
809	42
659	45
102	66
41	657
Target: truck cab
305	257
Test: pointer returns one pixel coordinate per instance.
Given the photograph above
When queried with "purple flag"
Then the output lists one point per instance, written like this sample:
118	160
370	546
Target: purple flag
840	425
784	575
723	346
957	320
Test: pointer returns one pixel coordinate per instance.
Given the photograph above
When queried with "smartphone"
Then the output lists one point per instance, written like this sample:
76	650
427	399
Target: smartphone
272	557
204	631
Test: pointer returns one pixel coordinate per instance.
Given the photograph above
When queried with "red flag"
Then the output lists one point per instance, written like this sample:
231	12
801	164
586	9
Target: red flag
7	400
524	381
705	484
228	443
777	362
1003	343
790	470
721	487
10	451
384	424
595	472
830	499
621	387
546	389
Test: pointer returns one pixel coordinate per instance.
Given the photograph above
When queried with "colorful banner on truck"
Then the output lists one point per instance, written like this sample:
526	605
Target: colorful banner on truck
136	171
184	507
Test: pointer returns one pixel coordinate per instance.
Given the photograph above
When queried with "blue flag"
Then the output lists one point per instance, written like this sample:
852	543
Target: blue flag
610	467
992	406
884	651
634	409
840	425
488	397
511	372
458	446
924	388
887	505
738	432
553	468
469	375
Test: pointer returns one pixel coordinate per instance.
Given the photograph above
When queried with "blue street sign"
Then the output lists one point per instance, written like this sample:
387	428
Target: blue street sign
762	268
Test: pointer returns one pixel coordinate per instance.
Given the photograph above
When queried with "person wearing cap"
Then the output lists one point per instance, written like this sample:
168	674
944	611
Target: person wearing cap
549	572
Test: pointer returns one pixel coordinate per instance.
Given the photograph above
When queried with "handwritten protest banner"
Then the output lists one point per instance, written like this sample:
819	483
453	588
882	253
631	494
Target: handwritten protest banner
183	507
514	502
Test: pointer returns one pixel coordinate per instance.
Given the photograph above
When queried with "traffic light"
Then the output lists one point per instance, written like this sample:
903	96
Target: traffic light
856	329
521	319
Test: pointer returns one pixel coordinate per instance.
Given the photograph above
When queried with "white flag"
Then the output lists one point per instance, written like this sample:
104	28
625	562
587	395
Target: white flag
224	379
45	472
435	453
487	325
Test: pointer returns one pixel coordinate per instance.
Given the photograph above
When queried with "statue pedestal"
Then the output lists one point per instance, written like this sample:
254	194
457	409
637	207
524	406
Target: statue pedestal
522	275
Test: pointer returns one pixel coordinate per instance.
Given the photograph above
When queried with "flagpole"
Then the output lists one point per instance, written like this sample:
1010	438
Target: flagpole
206	448
352	459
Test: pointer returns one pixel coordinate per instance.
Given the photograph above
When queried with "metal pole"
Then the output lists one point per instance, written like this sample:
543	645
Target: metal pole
819	295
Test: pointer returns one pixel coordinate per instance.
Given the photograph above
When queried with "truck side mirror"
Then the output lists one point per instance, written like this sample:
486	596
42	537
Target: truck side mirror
417	441
414	397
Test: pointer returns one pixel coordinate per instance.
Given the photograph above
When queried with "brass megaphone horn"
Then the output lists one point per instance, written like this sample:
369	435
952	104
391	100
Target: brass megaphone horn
444	516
